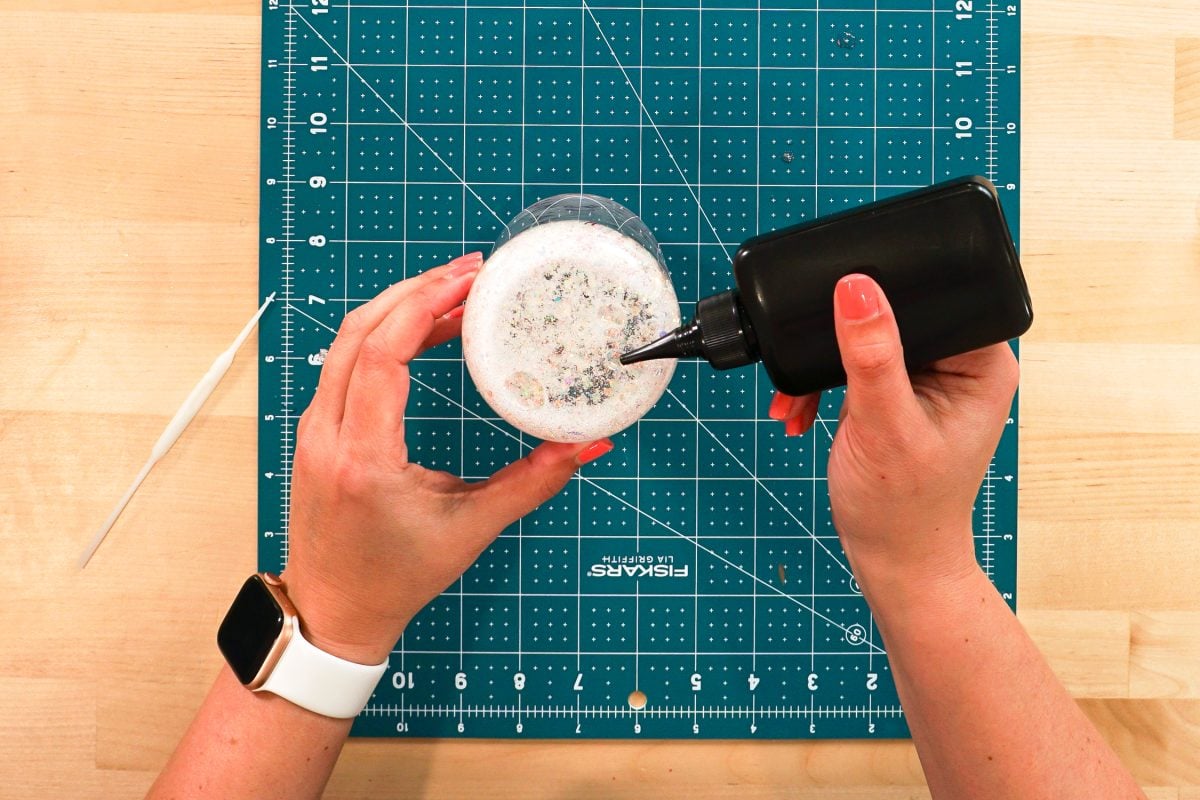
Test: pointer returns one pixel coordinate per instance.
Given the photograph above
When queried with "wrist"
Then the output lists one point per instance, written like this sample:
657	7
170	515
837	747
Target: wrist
900	590
332	622
905	602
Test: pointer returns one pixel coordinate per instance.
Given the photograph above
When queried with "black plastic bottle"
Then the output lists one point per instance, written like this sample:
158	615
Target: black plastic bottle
943	256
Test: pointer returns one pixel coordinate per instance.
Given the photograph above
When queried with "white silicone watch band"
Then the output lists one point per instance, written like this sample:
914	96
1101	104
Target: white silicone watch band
320	682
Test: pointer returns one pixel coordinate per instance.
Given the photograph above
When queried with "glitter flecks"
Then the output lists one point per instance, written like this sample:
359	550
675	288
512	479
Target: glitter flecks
550	313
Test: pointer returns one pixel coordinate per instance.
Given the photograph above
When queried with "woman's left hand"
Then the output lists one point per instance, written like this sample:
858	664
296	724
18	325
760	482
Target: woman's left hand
373	536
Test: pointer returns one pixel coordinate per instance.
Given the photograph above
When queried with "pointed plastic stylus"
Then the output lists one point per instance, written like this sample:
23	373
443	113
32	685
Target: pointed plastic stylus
176	426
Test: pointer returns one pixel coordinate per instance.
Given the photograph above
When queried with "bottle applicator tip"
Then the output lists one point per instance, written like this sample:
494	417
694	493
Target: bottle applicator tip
723	346
666	347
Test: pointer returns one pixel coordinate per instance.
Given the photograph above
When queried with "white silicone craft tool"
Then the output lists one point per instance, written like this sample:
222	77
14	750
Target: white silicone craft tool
183	417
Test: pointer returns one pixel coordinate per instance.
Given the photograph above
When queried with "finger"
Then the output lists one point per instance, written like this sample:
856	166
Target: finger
330	398
780	405
806	413
447	328
524	485
801	405
378	387
793	427
805	408
785	407
877	384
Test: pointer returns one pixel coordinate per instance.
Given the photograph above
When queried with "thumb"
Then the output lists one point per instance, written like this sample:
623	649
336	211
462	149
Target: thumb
523	485
877	382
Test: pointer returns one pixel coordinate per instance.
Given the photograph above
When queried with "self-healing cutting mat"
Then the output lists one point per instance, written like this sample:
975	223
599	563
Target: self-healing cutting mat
690	584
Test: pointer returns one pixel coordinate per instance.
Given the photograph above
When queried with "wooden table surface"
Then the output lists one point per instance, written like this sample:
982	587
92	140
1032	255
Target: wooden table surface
128	225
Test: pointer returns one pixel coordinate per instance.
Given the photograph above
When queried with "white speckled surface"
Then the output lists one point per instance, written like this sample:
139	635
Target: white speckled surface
550	313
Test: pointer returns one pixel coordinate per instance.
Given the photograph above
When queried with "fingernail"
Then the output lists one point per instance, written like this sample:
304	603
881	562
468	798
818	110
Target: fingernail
779	406
593	451
858	297
793	427
455	312
470	262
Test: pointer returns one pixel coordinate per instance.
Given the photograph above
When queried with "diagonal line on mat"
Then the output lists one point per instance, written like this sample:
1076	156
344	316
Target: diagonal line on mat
692	539
761	485
651	517
637	96
314	319
712	227
726	561
398	116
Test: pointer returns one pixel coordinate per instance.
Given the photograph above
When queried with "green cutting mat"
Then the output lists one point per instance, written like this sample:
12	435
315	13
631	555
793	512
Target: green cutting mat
396	136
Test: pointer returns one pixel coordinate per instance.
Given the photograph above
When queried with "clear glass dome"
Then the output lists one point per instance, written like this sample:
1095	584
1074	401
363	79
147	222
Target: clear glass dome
584	208
573	281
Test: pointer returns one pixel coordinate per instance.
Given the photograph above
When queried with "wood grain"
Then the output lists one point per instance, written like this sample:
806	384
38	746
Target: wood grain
128	225
1187	96
1088	650
1164	654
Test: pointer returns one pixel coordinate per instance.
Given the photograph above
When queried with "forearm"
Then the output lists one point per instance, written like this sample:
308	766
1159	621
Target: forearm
244	744
988	717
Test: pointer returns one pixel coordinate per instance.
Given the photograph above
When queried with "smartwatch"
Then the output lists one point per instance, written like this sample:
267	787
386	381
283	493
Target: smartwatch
261	639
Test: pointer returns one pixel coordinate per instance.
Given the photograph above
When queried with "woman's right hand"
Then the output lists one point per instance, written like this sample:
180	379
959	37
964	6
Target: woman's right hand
910	451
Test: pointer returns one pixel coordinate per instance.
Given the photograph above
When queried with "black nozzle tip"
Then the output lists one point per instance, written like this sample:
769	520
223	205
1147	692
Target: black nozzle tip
666	347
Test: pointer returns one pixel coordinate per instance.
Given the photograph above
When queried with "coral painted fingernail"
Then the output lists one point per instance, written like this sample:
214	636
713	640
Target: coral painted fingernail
780	404
471	262
810	416
455	312
858	297
594	451
793	427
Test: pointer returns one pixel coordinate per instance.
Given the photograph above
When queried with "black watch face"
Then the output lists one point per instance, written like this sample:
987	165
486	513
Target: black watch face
250	628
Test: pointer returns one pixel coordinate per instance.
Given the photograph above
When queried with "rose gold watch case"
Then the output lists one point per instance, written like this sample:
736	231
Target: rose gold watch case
290	622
